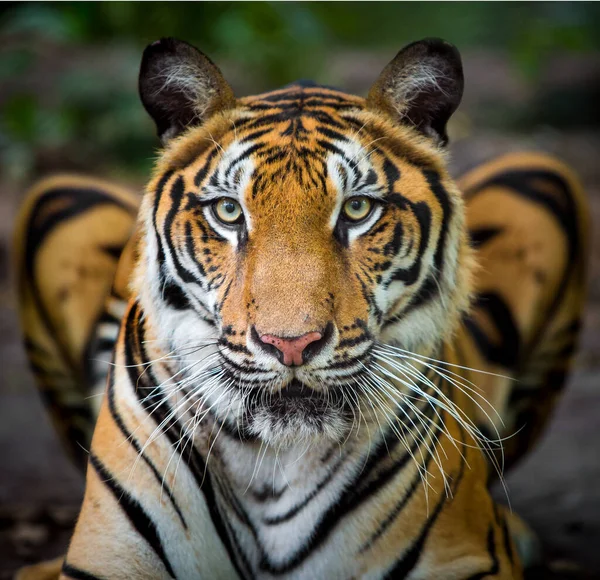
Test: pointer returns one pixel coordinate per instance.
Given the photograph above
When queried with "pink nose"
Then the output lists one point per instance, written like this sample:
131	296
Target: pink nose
292	348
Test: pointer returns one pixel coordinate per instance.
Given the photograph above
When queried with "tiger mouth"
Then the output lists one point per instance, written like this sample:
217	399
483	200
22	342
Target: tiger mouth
297	390
298	399
295	412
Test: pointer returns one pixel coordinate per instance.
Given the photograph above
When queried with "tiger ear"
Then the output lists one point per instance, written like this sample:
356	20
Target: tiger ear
421	87
180	87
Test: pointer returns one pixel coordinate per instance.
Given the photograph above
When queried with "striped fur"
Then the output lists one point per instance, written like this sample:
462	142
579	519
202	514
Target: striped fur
70	235
208	461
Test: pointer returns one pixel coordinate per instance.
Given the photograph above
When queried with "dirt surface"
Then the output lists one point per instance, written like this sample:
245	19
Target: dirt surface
555	489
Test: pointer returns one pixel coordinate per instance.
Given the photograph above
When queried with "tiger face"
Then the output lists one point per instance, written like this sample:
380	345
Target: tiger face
287	234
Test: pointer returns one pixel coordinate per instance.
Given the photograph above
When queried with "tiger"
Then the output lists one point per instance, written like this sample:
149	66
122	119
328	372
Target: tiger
306	348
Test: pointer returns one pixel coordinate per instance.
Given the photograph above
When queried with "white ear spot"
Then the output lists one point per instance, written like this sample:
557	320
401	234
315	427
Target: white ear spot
415	79
184	79
421	87
180	87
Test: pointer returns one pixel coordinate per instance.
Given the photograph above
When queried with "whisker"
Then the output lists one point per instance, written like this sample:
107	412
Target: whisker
420	356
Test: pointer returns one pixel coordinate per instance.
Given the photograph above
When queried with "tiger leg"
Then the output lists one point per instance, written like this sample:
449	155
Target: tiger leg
49	570
69	236
528	221
526	542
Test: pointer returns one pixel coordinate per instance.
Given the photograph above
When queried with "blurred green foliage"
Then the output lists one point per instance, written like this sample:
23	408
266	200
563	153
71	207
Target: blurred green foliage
68	71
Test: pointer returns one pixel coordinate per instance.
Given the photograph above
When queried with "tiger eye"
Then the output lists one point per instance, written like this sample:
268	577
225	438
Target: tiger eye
228	210
357	208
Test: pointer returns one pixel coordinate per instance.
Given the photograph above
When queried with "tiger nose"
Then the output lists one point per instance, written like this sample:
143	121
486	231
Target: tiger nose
291	348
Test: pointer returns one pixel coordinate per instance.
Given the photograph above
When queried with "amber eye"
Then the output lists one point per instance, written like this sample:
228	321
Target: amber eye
228	210
357	208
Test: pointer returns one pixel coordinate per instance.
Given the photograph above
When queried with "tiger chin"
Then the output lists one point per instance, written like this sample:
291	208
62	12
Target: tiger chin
315	331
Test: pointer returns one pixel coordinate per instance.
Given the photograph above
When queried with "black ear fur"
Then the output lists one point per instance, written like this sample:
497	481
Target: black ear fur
422	87
180	87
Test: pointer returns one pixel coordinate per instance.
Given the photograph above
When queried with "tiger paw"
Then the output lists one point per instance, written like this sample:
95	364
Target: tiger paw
48	570
526	542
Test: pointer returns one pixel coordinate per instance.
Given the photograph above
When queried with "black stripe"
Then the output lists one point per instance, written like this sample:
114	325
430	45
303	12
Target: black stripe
520	181
508	548
234	347
426	293
176	198
190	246
330	103
331	134
174	296
286	115
491	547
106	316
562	207
438	189
411	557
143	382
73	202
203	171
294	511
253	136
335	149
234	368
570	330
481	236
347	342
113	251
565	352
369	296
372	478
410	275
501	523
508	352
140	520
77	573
157	196
401	504
134	443
103	343
267	493
256	147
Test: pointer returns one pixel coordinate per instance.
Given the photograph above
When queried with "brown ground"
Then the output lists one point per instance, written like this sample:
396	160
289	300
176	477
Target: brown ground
555	489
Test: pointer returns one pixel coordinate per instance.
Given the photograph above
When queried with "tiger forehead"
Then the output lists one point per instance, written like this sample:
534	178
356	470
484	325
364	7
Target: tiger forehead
287	116
298	114
288	135
301	97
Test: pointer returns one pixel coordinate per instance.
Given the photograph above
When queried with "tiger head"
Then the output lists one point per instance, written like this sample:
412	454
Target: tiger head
287	235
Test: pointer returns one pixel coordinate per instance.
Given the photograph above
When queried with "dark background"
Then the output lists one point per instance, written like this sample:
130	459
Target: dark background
68	101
